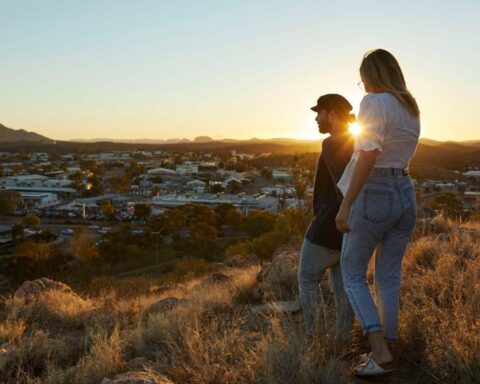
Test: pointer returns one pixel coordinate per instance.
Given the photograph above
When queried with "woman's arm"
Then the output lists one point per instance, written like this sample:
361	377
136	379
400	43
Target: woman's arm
363	167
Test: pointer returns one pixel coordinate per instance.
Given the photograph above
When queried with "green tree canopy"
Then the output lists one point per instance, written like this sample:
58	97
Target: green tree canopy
82	246
142	211
448	205
257	223
8	201
31	221
107	209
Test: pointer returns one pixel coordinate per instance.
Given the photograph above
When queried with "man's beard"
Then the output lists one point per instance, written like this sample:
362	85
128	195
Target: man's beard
324	127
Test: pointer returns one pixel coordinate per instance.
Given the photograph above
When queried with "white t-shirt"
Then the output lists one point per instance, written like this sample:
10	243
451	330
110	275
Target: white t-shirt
388	127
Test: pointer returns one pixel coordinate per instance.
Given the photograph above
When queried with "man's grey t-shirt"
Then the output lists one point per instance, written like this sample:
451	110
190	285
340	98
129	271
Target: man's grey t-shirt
336	153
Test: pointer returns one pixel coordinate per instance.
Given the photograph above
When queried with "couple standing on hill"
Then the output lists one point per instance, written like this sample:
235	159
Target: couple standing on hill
363	200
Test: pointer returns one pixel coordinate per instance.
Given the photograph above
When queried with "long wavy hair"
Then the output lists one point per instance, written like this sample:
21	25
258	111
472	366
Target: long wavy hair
381	70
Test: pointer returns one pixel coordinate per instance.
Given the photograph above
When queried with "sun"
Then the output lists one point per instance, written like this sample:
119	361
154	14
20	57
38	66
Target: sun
354	129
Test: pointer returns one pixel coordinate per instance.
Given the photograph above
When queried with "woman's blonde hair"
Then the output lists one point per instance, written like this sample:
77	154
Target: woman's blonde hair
381	70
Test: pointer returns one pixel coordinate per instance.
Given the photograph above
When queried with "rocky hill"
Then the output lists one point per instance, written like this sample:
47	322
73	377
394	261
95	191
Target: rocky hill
9	135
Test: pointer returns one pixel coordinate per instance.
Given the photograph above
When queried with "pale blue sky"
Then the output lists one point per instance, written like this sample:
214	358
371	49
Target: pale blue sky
241	69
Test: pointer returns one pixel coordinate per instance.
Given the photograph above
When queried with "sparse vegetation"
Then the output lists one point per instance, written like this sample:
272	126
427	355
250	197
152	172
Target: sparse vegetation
211	336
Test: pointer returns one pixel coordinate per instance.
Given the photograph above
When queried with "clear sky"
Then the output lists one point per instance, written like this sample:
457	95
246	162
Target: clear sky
228	69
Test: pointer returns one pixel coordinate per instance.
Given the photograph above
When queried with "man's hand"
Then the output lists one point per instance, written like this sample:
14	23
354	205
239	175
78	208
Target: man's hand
341	220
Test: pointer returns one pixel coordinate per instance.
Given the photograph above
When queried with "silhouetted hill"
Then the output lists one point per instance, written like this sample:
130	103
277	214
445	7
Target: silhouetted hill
203	139
9	135
452	156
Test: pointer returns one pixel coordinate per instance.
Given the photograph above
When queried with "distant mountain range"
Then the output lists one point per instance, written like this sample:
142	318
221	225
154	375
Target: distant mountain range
9	135
199	139
433	159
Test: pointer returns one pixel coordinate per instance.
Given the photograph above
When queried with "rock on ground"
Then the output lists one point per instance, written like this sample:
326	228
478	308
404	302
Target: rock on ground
29	291
277	280
277	307
163	305
138	378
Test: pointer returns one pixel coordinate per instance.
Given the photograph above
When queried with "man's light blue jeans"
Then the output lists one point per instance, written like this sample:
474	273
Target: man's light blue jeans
314	261
382	217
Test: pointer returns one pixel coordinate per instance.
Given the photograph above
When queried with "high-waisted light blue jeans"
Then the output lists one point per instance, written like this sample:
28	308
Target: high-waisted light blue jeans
382	217
315	260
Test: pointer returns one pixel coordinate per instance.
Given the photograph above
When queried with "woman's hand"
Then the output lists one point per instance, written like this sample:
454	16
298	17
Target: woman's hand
341	220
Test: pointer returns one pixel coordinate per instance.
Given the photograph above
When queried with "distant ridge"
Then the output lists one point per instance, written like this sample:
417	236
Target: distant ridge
197	140
9	135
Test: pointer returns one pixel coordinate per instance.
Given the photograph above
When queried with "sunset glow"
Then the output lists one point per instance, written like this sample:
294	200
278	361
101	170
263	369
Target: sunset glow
355	129
196	70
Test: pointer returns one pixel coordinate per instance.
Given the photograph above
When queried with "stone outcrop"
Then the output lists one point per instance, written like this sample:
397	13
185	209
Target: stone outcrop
277	307
161	306
277	280
29	291
219	277
138	378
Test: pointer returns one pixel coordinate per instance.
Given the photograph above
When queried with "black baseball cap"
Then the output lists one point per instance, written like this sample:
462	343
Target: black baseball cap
333	101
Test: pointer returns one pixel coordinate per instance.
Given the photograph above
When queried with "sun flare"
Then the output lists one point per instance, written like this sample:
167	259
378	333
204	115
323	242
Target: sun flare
354	129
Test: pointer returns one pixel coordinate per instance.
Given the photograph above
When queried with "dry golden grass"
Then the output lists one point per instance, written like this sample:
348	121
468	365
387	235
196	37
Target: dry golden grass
212	336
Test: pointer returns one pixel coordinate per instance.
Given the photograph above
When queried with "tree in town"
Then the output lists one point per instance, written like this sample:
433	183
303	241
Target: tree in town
196	213
120	184
234	219
266	173
82	246
203	236
448	205
17	232
257	223
221	212
228	215
31	221
8	201
37	252
92	166
216	188
142	211
107	209
120	244
174	219
135	169
94	187
300	190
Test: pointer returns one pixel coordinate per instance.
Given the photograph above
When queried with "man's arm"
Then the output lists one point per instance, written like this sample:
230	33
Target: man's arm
336	159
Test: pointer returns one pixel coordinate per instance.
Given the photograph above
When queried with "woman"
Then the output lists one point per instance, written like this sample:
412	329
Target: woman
378	210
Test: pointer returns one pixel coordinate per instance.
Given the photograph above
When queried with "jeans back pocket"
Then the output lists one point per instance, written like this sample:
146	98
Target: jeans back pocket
377	205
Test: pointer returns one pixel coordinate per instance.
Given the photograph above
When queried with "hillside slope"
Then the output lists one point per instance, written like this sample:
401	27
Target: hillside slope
9	135
205	331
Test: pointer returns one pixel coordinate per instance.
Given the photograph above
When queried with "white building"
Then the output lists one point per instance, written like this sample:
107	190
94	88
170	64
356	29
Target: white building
231	179
187	169
161	171
472	173
278	190
244	203
37	183
281	174
196	186
37	199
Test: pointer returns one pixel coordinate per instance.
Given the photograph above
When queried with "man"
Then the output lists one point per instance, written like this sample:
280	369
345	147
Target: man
322	244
